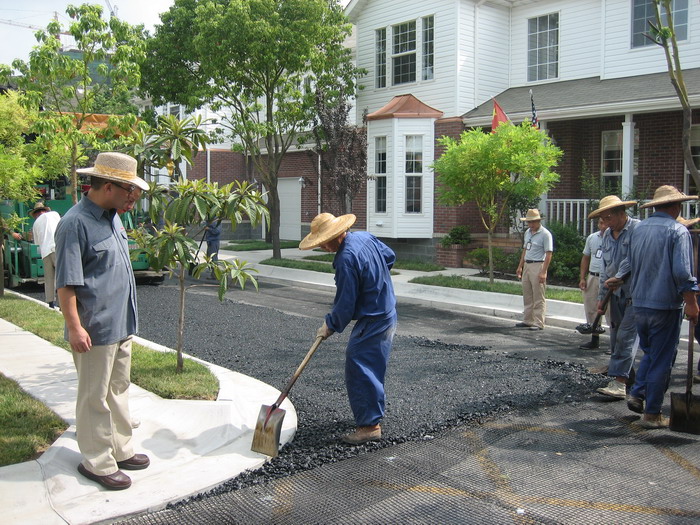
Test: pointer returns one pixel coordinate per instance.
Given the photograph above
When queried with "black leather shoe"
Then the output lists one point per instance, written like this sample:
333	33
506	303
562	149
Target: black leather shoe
522	325
135	462
116	481
589	346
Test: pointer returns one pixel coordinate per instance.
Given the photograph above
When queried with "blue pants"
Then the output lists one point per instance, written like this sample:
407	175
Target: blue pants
213	249
366	360
658	338
623	332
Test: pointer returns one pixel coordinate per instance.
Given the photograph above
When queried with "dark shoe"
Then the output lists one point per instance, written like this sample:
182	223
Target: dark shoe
135	462
535	328
592	345
522	325
363	435
696	379
635	404
52	304
116	481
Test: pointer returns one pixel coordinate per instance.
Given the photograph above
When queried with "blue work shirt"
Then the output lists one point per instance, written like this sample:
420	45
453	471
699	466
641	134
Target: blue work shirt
660	261
615	262
363	281
212	232
92	256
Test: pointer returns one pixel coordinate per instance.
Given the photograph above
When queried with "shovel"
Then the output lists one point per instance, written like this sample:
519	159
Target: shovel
685	407
593	328
266	438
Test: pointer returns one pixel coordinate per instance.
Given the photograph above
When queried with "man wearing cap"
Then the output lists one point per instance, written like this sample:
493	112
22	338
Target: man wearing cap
97	293
589	280
43	230
532	269
660	262
364	292
614	276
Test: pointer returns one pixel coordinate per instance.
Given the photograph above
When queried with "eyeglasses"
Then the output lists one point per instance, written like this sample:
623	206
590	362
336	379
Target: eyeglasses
129	189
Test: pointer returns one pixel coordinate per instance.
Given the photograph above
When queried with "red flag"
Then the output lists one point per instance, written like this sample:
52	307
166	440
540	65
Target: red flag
498	116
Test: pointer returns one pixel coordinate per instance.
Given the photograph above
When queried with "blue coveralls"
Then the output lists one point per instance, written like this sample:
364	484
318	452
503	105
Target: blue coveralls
364	292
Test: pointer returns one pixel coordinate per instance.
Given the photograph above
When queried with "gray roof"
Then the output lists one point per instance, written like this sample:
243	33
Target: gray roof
589	97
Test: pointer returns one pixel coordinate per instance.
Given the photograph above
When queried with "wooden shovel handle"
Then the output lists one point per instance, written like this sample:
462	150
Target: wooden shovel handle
299	369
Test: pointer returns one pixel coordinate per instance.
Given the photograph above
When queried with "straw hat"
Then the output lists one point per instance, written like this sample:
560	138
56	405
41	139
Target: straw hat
532	215
39	206
688	222
117	167
668	195
326	227
609	202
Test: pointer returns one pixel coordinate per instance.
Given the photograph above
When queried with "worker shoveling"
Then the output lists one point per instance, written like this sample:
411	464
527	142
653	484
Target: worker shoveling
266	439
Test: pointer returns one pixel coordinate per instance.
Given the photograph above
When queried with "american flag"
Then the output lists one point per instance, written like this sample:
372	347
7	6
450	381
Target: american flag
535	121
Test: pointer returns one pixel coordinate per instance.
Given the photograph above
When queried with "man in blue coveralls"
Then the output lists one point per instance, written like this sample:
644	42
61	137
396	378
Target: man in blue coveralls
364	292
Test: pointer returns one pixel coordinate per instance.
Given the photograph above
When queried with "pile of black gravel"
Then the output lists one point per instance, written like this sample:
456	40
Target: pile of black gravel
431	386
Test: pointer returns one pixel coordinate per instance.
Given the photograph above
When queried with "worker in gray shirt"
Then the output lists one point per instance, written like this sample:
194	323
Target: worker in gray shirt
589	281
97	293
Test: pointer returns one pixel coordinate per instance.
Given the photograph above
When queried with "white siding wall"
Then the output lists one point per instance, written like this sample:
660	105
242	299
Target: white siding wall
621	60
493	53
439	92
579	38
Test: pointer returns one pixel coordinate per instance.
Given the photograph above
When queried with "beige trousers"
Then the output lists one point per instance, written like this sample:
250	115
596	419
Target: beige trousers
102	409
533	295
590	299
50	277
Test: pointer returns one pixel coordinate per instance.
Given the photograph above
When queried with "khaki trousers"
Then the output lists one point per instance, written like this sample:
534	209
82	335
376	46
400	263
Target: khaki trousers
103	421
590	300
50	277
533	295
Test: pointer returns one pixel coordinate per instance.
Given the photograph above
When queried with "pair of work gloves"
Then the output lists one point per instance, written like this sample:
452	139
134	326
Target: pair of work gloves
324	332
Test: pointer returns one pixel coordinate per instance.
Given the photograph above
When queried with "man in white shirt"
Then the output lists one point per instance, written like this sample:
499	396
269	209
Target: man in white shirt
45	222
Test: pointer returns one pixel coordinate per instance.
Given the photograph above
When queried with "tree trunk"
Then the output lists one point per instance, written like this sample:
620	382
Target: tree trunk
181	319
489	235
74	173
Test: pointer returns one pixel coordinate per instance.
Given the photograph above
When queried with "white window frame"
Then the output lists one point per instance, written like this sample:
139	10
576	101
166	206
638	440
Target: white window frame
380	66
413	173
695	152
611	180
428	47
643	10
380	174
543	47
404	45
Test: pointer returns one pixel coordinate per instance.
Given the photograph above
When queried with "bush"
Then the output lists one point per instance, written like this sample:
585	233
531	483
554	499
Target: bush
457	235
568	248
502	262
480	258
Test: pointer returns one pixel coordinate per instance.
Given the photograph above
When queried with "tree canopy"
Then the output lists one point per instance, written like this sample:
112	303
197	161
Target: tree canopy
259	63
491	169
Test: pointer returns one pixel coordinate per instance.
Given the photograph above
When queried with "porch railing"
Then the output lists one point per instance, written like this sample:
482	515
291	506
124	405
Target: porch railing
575	211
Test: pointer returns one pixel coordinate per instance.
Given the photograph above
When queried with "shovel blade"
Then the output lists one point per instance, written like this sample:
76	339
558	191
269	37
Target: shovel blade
266	439
685	413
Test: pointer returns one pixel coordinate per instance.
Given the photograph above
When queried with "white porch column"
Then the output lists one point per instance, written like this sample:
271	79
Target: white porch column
627	155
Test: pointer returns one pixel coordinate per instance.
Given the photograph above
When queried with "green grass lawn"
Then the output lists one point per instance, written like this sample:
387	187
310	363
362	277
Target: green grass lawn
257	244
570	295
152	370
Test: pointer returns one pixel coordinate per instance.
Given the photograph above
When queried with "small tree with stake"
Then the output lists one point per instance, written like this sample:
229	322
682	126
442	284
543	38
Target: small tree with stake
172	248
493	168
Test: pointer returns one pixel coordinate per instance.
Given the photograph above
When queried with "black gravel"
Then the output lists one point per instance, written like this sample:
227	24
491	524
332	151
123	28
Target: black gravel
431	386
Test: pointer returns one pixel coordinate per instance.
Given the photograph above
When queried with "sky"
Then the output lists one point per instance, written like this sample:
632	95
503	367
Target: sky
17	42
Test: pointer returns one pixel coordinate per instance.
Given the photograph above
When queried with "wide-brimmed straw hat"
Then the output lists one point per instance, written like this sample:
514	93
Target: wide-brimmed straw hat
532	215
668	195
39	206
325	227
688	222
609	202
117	167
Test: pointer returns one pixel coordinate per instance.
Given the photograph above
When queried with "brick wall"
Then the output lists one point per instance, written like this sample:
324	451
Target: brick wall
226	166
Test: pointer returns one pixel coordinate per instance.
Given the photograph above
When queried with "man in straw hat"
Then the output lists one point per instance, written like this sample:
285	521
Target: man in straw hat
97	293
43	230
613	275
662	279
364	292
532	269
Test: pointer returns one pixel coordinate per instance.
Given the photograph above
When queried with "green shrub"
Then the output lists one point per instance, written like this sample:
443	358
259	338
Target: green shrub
568	248
457	235
506	262
480	258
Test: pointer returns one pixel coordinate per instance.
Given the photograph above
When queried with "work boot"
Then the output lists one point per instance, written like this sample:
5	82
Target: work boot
52	304
652	421
595	342
635	404
614	389
363	435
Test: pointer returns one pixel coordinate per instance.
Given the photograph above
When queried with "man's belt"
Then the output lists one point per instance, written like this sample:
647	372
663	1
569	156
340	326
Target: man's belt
530	262
594	274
